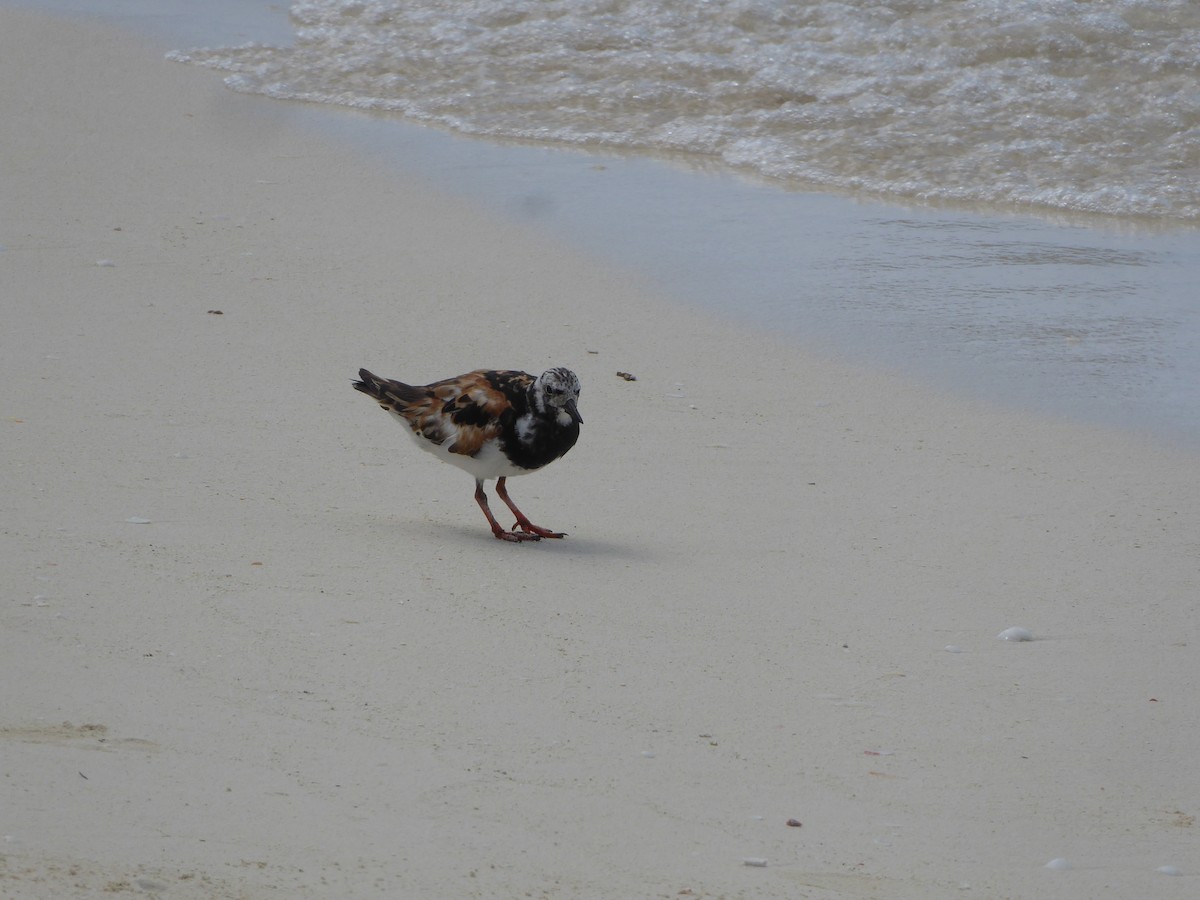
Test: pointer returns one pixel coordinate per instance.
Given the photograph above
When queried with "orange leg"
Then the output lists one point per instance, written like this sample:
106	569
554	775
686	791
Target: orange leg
500	533
527	527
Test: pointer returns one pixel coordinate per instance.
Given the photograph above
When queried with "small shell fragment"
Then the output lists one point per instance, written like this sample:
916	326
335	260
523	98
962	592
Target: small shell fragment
1015	634
138	520
756	861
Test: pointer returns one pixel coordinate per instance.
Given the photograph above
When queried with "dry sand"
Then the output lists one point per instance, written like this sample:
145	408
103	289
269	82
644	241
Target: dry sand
313	672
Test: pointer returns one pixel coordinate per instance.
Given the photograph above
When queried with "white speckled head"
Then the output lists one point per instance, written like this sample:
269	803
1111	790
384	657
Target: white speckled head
558	389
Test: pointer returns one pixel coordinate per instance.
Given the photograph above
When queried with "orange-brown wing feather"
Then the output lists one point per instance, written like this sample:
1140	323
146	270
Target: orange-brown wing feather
466	410
469	409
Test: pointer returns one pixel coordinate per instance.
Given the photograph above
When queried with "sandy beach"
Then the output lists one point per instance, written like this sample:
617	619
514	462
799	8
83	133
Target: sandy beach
254	645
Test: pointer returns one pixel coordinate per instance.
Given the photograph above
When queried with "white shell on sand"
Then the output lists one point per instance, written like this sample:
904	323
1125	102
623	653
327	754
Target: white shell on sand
1168	870
1058	864
1015	634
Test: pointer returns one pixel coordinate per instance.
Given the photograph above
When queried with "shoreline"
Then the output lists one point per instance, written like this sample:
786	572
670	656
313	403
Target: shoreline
312	671
1080	319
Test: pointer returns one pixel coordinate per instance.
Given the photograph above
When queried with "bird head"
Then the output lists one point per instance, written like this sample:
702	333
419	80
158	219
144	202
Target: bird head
558	390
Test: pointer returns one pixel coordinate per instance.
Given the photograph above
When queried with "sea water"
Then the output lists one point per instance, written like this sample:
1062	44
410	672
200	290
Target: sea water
1081	106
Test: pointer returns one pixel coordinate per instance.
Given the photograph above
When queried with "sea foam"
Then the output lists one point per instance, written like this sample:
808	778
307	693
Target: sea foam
1077	106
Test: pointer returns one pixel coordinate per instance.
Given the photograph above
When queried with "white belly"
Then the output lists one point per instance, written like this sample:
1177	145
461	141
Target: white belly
488	463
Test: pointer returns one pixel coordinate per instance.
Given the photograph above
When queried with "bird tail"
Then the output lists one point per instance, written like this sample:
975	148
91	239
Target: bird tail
385	390
369	384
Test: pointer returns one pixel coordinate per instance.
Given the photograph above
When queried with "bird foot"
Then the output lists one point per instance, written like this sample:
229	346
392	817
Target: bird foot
536	531
516	536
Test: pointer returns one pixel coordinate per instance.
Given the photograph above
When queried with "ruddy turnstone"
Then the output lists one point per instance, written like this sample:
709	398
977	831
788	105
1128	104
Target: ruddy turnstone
491	424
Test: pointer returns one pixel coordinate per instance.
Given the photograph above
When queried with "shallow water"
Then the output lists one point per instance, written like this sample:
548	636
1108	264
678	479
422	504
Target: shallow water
1095	324
1090	318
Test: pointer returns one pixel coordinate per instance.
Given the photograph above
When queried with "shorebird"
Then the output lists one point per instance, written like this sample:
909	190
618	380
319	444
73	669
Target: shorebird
491	424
